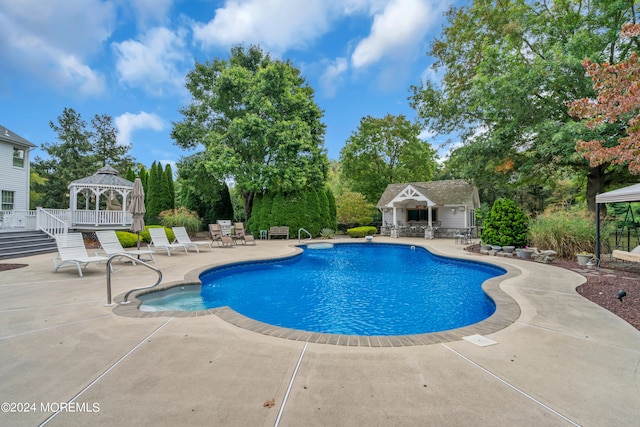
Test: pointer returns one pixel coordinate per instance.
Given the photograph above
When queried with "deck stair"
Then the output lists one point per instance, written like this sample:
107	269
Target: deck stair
15	244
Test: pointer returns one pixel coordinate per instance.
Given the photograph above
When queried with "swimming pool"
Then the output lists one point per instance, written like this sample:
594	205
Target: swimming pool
356	289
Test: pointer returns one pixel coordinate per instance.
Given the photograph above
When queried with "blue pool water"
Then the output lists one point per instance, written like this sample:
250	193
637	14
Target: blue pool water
355	289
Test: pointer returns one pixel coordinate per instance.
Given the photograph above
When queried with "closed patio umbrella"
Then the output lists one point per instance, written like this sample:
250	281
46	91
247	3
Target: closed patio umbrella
137	209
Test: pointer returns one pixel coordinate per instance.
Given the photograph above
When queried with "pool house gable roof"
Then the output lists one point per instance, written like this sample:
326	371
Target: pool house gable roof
453	192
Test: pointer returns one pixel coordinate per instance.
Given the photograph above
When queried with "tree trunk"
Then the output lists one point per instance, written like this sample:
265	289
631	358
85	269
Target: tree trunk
248	204
595	185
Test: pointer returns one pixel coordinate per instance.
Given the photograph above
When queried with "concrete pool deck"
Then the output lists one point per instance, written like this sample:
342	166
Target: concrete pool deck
564	361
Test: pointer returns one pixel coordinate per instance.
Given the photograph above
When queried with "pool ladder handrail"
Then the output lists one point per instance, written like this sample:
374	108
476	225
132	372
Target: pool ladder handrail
299	233
135	260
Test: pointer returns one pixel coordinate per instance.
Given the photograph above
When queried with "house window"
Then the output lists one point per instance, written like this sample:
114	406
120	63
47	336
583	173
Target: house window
18	157
421	215
7	200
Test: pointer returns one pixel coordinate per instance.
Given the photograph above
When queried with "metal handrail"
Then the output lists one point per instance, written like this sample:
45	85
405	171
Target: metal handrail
302	229
135	260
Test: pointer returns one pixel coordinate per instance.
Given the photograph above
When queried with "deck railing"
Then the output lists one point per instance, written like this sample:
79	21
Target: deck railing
20	219
52	221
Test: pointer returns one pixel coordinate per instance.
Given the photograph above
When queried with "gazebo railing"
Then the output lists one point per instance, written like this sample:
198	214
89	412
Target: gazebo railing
96	218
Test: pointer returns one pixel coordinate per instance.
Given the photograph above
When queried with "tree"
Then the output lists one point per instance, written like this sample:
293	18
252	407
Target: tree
168	190
69	159
105	145
78	152
385	151
505	224
152	193
353	209
510	67
259	124
618	100
201	191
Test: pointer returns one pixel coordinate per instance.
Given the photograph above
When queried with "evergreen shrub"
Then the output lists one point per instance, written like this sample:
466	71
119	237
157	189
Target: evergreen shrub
127	239
146	237
505	225
361	231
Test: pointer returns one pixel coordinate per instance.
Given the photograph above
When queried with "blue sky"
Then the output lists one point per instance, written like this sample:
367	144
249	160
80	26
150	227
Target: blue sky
128	59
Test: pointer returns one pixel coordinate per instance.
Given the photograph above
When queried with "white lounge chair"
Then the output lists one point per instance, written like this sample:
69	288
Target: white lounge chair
111	246
159	240
71	251
183	238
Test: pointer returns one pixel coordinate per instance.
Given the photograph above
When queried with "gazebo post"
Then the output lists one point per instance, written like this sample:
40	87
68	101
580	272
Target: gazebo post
598	233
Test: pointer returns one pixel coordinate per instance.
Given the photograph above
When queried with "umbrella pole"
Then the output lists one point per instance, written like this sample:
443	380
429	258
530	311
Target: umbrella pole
138	244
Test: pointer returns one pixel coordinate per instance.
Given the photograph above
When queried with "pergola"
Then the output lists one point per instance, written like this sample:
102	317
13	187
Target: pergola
100	200
626	194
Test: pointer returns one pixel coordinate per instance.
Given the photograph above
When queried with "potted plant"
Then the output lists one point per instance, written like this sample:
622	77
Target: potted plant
584	257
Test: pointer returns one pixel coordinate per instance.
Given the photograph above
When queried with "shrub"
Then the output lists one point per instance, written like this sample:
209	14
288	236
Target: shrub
566	232
127	239
361	231
145	236
327	233
353	208
505	224
181	217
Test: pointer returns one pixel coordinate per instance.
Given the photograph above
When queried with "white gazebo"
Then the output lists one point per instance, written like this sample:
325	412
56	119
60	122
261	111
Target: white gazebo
100	200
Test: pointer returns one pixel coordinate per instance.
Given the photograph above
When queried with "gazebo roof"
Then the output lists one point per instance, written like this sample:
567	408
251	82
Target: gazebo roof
105	177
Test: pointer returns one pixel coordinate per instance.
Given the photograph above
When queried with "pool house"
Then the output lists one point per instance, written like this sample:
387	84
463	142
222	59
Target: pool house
429	209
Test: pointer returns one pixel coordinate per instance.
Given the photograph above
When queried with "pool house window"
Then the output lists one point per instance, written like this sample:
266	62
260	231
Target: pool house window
421	213
18	157
7	200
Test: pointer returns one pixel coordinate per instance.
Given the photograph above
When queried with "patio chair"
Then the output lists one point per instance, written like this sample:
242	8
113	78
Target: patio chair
183	238
633	256
216	236
71	251
111	246
241	234
159	239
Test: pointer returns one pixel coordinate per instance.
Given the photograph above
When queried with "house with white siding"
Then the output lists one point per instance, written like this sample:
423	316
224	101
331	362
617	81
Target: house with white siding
432	209
15	170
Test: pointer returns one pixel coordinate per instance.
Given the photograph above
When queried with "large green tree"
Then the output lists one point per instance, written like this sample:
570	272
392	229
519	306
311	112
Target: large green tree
385	151
104	140
510	68
257	119
71	157
77	152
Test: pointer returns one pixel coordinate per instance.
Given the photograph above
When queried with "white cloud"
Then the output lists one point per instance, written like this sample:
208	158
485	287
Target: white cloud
426	134
154	62
150	12
332	76
277	25
129	123
396	30
53	40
